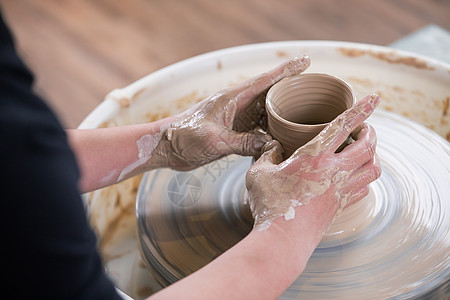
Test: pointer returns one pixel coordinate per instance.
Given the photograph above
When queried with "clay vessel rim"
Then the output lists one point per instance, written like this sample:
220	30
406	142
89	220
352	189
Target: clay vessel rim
278	119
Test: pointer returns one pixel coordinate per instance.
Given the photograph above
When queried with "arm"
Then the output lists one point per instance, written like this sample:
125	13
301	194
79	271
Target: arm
275	253
261	266
104	155
221	124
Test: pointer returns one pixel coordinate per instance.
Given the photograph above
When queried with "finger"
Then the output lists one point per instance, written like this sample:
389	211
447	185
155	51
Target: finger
363	176
250	117
361	151
250	89
358	185
247	143
340	128
272	153
355	197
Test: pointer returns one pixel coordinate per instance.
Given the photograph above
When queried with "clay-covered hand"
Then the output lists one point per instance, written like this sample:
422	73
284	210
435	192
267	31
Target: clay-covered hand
226	122
316	171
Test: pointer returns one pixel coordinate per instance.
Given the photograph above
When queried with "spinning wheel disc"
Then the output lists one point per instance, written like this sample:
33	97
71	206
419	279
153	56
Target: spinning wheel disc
393	243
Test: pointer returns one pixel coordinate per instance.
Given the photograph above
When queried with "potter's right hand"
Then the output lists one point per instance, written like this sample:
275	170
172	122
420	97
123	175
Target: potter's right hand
315	175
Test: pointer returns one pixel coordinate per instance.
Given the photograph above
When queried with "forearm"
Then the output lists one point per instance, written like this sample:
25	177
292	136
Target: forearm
108	155
263	265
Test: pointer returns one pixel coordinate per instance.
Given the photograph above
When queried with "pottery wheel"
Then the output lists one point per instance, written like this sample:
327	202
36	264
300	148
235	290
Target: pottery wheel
393	243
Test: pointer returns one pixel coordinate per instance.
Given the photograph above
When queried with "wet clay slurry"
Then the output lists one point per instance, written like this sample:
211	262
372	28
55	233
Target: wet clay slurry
300	107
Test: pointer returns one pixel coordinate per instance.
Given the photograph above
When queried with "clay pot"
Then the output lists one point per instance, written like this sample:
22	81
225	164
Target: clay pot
299	107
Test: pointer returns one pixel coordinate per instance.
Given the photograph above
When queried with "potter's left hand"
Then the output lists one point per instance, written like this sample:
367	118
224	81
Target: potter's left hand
225	123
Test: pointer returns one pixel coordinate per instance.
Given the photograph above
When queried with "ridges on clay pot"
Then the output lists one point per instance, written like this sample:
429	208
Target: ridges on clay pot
299	107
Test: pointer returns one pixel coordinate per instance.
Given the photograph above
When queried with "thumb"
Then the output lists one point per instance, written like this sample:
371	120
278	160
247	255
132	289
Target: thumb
272	153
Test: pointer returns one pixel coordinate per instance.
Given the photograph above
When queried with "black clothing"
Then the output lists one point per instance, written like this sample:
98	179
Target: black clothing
48	249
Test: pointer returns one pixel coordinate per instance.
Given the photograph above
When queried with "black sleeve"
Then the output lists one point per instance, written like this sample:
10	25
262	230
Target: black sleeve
48	248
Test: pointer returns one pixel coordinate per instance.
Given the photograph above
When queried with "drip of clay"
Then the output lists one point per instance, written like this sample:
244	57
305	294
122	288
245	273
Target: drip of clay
301	106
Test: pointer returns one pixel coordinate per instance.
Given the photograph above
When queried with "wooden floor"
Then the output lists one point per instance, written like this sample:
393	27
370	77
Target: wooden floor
82	49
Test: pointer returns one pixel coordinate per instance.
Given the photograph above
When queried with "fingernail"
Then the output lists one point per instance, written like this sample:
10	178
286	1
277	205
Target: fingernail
305	60
271	144
261	140
266	147
374	99
267	138
299	64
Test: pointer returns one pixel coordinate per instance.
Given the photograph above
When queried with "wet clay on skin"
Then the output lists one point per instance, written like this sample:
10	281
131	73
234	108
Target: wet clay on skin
146	144
207	131
306	180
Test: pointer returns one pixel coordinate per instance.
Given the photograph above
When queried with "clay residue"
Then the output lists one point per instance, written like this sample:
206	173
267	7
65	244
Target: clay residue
123	99
390	57
362	81
281	54
351	52
137	94
125	102
405	60
110	234
152	117
108	123
219	65
446	105
418	93
186	101
409	101
398	88
146	146
107	205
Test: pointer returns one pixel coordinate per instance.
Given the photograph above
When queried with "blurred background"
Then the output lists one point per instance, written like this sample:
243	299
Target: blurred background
79	50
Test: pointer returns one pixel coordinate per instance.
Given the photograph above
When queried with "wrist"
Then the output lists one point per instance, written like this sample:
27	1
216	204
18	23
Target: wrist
162	150
305	230
146	147
280	252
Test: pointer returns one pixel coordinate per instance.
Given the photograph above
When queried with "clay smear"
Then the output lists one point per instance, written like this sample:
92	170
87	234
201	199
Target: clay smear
392	57
146	144
323	97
